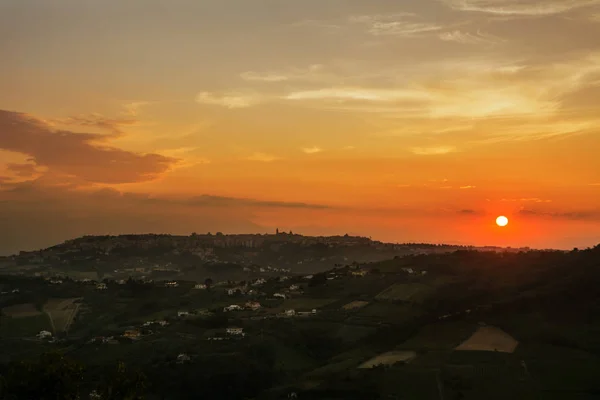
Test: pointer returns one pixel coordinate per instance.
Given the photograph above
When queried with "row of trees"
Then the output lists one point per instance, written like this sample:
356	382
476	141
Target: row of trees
54	376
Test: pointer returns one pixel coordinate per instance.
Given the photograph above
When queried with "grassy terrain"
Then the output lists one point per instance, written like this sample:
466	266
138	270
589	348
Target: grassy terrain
24	327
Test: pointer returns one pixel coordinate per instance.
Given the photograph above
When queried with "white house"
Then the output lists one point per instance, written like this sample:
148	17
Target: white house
162	323
200	286
101	286
172	284
183	313
279	295
308	277
183	358
44	335
289	313
408	270
252	305
235	331
259	282
294	287
233	307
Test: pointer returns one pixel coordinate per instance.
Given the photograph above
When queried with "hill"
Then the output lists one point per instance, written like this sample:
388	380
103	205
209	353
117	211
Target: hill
465	324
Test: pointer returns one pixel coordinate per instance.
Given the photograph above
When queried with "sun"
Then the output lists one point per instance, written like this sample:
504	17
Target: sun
502	221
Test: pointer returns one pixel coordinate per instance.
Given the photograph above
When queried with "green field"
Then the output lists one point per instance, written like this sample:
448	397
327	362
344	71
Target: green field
409	292
440	336
305	303
24	327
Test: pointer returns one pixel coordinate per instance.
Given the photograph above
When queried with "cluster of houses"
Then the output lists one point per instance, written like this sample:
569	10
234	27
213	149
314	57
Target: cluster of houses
229	333
250	305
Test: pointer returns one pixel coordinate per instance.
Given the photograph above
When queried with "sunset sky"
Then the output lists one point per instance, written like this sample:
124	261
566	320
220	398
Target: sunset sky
402	120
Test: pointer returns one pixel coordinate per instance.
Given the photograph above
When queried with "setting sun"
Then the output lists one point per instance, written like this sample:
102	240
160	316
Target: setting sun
502	221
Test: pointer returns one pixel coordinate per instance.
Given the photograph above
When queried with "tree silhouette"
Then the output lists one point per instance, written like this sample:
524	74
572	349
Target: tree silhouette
208	282
51	377
122	383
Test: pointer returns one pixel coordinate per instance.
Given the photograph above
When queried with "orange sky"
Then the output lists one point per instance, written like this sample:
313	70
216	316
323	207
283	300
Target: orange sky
403	121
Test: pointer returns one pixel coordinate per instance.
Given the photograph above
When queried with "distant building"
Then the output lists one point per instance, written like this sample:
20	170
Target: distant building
235	331
44	335
132	334
183	313
101	286
252	305
182	358
294	287
279	295
171	284
200	286
289	313
233	307
361	272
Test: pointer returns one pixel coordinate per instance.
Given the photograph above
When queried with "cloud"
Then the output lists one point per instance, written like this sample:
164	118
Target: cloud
290	74
527	200
359	94
268	77
436	150
229	100
263	157
220	201
113	125
467	187
82	155
469	212
312	150
469	38
400	24
22	170
132	109
520	7
589	215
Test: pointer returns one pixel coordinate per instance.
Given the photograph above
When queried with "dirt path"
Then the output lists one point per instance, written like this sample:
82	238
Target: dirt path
72	317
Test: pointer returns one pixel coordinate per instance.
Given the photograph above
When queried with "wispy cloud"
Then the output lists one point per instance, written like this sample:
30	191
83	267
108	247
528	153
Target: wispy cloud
520	7
132	109
467	187
587	215
230	100
263	157
399	24
469	38
82	155
359	94
312	150
289	74
95	120
430	151
527	200
267	77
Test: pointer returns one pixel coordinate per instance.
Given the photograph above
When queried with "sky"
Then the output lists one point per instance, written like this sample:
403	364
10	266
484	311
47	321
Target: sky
404	121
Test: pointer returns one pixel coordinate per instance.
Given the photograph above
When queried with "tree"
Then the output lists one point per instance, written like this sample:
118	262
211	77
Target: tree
123	383
51	377
208	282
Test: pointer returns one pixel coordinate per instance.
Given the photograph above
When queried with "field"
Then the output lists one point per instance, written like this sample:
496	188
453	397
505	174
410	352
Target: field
23	326
412	292
488	338
21	311
355	304
377	312
62	312
305	304
439	336
389	358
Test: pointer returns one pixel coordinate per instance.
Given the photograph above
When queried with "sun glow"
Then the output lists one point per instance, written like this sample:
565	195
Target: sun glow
502	221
